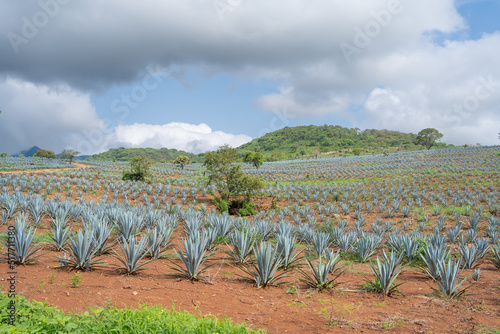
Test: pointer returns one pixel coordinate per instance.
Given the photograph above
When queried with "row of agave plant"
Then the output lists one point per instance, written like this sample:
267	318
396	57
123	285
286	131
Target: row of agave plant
137	235
28	163
386	198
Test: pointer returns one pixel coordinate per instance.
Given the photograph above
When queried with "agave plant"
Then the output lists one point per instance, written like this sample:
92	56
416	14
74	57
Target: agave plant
386	272
318	279
365	247
287	249
346	240
192	224
433	256
471	255
128	224
59	234
267	262
222	224
241	244
102	232
132	254
320	243
264	228
410	247
449	276
83	251
193	258
21	246
495	252
158	240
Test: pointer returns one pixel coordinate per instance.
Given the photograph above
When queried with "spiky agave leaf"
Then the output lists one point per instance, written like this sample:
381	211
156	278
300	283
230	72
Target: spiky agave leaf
386	272
59	234
158	240
263	270
449	277
131	254
287	248
495	252
193	258
241	244
432	257
83	251
365	247
24	246
320	242
319	274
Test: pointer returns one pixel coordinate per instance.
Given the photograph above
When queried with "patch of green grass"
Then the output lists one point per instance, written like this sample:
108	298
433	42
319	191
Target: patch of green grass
486	330
37	317
168	255
76	280
392	322
44	237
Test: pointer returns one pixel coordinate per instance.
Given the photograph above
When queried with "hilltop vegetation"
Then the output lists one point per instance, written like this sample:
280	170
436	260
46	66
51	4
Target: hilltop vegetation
300	141
126	154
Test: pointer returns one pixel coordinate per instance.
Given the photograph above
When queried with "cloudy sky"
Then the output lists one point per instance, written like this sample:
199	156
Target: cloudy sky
195	74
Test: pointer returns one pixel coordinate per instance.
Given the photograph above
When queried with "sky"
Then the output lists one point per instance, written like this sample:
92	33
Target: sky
196	74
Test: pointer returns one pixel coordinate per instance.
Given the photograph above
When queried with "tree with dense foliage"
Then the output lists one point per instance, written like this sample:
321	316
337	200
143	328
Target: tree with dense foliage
182	161
69	154
139	169
3	155
230	181
427	137
44	154
254	158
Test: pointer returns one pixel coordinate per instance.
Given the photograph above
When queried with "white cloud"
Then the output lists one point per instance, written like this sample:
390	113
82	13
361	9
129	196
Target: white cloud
59	117
182	136
397	77
41	115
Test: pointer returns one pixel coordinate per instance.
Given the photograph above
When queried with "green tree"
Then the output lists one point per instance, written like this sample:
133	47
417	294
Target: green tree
356	151
44	154
69	154
3	155
139	169
254	158
229	180
427	137
182	161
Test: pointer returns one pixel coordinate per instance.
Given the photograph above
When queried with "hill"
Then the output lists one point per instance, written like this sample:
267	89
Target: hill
125	154
27	153
300	141
294	143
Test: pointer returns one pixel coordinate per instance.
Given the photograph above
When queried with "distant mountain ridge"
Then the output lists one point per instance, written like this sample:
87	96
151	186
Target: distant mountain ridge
28	153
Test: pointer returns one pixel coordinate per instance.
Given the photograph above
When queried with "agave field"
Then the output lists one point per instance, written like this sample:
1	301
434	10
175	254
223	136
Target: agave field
405	243
27	163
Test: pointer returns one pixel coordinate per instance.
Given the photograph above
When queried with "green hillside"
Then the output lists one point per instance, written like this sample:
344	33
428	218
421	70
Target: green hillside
125	154
301	141
294	143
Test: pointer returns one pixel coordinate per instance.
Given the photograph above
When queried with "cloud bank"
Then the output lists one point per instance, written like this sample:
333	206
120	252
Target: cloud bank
396	64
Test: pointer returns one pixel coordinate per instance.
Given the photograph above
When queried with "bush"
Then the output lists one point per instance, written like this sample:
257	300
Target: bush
230	181
139	169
